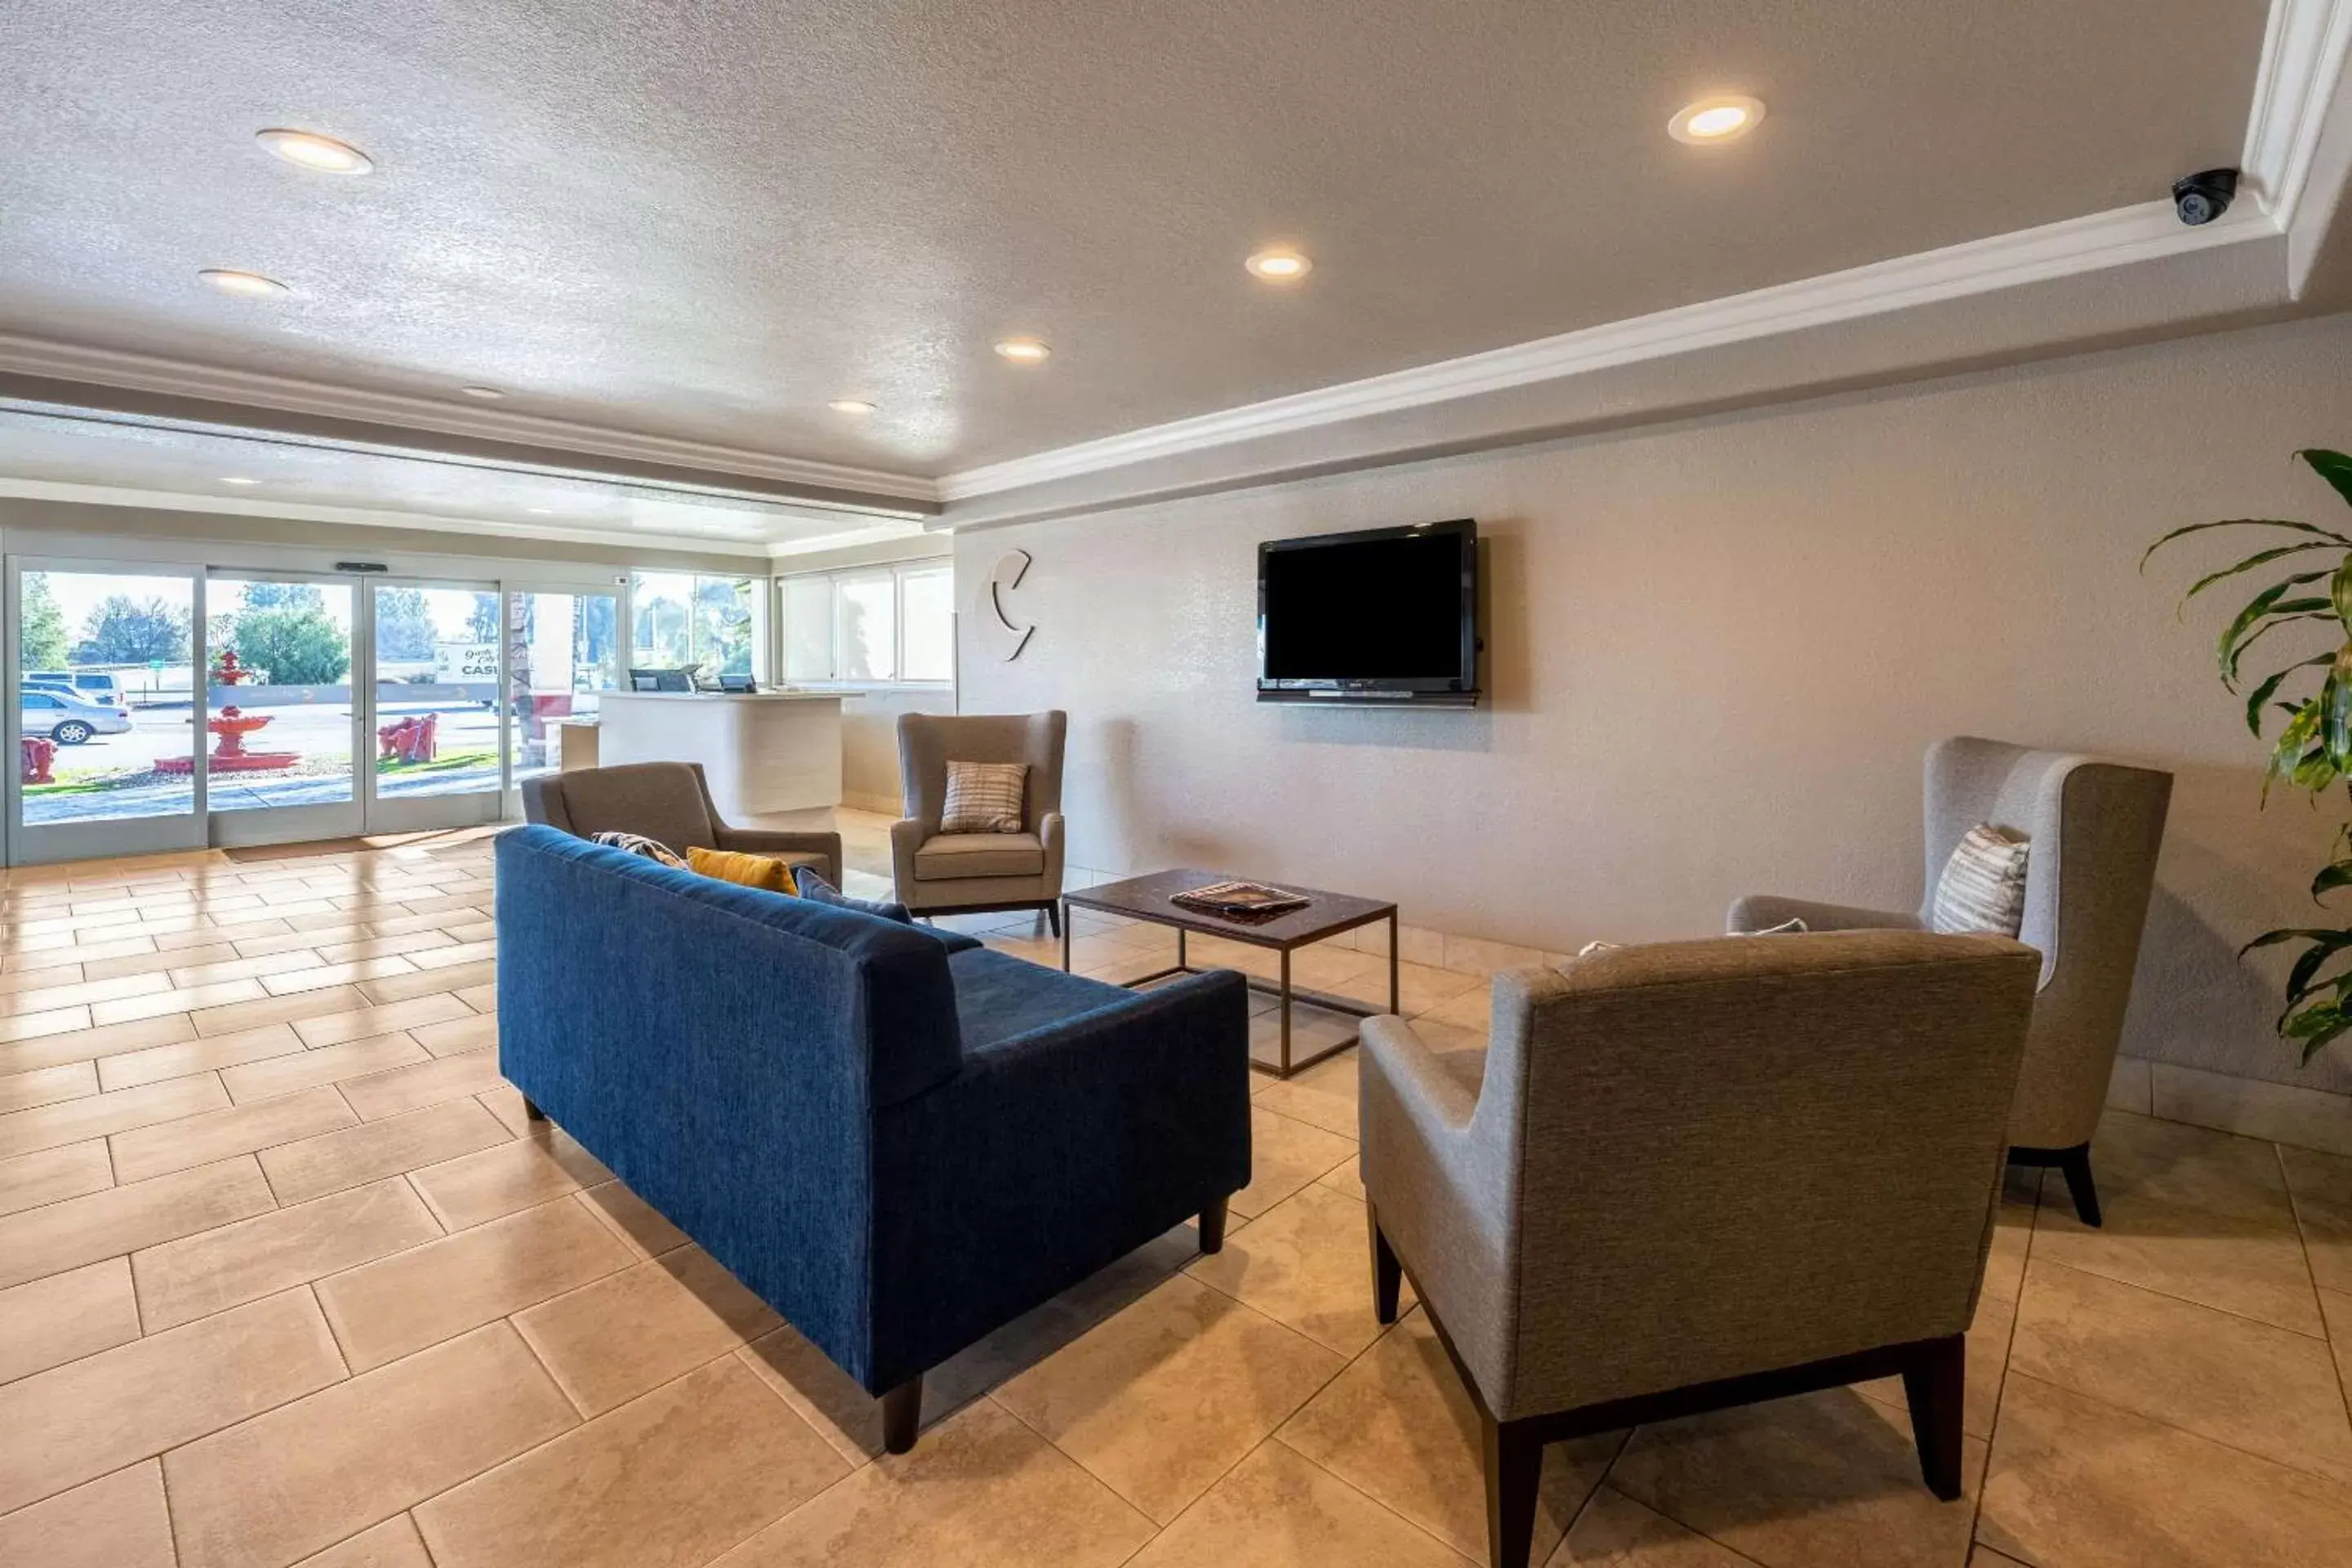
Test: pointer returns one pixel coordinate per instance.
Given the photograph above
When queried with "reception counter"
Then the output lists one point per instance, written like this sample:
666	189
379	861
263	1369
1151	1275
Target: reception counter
777	750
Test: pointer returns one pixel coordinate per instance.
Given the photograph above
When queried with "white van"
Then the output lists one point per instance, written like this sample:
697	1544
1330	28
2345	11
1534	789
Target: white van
95	686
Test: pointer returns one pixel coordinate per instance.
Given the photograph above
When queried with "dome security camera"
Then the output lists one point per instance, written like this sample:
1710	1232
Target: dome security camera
2201	198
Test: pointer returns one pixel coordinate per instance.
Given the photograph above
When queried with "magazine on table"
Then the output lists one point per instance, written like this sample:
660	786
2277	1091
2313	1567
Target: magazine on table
1241	900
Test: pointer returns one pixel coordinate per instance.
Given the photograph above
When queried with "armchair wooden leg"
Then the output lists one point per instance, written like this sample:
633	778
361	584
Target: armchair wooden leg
2075	1165
1213	1225
530	1111
902	1414
1936	1385
1053	916
1388	1274
1514	1467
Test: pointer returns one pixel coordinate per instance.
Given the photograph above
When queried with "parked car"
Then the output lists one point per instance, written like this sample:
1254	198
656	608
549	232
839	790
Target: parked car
90	685
66	718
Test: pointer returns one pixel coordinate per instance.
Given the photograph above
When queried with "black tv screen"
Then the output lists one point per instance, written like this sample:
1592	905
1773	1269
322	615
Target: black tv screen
1389	613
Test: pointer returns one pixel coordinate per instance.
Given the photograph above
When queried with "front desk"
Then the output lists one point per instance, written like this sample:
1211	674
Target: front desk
775	751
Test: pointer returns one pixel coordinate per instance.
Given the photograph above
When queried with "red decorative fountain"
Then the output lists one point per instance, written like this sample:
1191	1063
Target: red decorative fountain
232	726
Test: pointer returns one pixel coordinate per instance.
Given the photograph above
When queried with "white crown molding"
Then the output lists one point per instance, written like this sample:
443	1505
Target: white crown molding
2304	47
2117	238
143	373
370	517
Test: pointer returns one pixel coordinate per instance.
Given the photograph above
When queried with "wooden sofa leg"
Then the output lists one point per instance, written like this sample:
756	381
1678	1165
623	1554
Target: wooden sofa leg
2075	1165
1213	1225
1936	1386
1388	1273
1053	916
902	1415
1514	1467
530	1111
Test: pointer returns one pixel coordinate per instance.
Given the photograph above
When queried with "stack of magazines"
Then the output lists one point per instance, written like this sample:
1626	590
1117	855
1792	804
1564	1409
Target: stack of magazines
1239	901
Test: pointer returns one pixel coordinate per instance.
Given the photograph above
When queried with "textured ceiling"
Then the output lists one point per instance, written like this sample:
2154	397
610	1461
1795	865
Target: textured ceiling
704	221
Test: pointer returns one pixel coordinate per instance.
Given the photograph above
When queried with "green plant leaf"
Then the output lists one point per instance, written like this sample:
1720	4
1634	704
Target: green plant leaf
2184	531
2308	965
2332	467
2269	688
2260	558
2285	612
2331	877
2315	1025
2336	712
2287	754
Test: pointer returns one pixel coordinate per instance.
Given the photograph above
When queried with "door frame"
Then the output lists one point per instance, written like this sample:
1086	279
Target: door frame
426	812
104	839
246	826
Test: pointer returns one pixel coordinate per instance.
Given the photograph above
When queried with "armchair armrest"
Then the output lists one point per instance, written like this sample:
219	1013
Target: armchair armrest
1440	1171
762	841
907	835
1757	911
1049	836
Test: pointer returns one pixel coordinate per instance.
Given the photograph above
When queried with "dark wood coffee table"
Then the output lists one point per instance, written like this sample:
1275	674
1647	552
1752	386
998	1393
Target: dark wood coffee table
1147	898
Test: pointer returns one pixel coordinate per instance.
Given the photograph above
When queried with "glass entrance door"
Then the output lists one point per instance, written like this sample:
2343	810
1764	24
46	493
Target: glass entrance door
282	709
101	717
437	747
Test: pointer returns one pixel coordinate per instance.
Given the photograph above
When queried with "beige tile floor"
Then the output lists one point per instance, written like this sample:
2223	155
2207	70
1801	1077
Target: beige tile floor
286	1278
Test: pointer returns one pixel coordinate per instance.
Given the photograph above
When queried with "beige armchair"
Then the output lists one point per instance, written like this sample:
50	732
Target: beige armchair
1699	1175
669	802
967	873
2094	828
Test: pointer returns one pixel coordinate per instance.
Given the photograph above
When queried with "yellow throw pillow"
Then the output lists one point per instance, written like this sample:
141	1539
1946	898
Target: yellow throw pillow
748	870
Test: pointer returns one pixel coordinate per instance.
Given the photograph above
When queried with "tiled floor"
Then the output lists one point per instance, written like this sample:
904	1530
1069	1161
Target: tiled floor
285	1279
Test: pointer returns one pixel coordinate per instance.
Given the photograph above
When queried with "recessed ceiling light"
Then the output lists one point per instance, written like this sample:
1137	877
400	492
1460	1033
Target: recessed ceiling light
249	285
1023	351
850	405
487	394
311	150
541	511
1712	120
237	480
1280	265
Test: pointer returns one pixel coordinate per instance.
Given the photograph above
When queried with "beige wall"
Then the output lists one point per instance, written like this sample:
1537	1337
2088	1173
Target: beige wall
869	742
1718	650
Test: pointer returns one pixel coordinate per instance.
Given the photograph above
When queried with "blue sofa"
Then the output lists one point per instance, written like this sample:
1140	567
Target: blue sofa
897	1138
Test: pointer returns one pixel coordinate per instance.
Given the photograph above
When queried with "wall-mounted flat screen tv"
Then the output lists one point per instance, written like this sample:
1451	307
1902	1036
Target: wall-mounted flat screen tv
1389	615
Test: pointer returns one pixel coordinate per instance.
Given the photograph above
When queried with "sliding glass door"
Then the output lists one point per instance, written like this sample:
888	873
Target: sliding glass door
439	752
283	709
102	707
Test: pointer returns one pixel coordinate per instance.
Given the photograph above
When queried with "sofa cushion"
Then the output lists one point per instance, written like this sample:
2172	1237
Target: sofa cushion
999	996
652	849
810	882
983	797
1983	884
951	856
743	869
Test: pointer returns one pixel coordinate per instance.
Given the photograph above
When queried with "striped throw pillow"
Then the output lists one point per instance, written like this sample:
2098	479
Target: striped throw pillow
984	797
1983	884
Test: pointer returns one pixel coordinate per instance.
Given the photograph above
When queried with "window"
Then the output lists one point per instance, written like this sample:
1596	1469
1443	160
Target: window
872	624
679	619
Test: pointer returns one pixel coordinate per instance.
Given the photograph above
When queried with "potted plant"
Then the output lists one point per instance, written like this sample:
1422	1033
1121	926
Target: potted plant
2310	696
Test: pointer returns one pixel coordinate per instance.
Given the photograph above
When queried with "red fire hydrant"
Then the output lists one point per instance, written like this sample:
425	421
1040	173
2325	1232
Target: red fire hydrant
36	753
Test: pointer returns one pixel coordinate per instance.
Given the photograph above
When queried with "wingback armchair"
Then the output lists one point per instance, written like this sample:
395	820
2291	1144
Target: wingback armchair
670	802
1698	1174
965	873
2093	828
